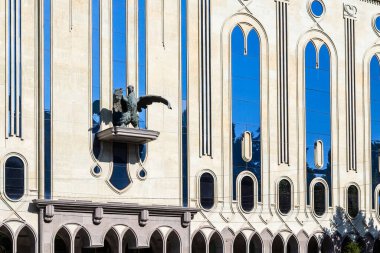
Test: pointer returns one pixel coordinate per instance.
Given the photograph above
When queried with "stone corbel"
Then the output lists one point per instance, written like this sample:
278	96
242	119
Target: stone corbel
49	213
143	218
186	219
98	215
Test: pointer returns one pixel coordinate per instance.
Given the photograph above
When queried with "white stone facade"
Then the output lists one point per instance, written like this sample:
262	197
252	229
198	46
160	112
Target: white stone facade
155	201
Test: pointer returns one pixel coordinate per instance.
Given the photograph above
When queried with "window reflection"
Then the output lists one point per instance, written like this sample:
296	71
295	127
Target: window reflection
317	112
207	191
14	178
319	195
284	196
375	121
246	102
353	201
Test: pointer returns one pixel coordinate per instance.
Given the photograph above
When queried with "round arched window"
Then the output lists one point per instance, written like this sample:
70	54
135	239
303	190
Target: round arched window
14	178
206	187
247	194
319	196
353	201
284	196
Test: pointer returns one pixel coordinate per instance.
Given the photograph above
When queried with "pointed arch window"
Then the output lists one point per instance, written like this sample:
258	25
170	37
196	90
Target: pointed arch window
246	120
318	112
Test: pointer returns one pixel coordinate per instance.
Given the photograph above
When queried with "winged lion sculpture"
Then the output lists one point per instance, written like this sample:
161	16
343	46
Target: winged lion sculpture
125	109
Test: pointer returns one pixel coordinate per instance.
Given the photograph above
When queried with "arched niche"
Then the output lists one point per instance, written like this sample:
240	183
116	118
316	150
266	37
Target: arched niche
62	241
6	240
173	243
215	243
82	241
292	245
327	245
156	243
312	246
129	242
255	245
278	244
198	244
240	244
26	241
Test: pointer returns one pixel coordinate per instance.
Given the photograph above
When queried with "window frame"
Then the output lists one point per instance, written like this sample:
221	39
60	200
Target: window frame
327	196
278	196
358	199
207	171
239	179
25	164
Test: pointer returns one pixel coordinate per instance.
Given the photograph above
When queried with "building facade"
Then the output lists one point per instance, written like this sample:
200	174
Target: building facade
272	143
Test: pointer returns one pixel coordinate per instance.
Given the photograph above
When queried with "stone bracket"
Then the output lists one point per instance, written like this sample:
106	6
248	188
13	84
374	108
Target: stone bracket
143	218
98	215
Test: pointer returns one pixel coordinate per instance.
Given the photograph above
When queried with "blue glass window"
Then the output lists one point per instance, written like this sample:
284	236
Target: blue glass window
247	192
14	178
246	102
353	201
375	121
284	196
47	97
317	8
184	100
317	114
206	183
120	178
319	195
377	23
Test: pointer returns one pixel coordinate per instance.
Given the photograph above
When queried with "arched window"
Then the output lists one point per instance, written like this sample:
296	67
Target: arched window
317	112
352	201
14	178
319	197
247	193
375	122
206	188
284	196
245	104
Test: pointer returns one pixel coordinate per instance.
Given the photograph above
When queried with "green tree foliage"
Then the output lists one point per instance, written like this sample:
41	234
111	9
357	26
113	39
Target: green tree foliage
352	247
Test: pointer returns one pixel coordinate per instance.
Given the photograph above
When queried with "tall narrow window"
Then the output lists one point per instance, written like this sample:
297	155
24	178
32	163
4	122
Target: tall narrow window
14	68
247	194
375	122
319	195
317	113
206	189
246	104
352	201
284	196
120	177
184	100
14	178
47	97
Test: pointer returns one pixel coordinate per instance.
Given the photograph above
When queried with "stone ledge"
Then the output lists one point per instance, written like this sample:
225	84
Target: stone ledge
127	135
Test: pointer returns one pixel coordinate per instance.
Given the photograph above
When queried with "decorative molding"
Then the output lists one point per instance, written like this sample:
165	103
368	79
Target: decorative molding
349	27
282	86
205	77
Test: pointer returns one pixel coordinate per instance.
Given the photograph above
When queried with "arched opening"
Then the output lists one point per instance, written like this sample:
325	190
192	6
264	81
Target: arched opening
245	109
327	245
198	245
347	240
156	243
240	244
216	244
284	196
247	193
62	241
206	190
278	245
14	181
6	242
312	246
26	241
376	246
129	242
255	246
111	243
82	242
319	197
352	201
292	246
173	243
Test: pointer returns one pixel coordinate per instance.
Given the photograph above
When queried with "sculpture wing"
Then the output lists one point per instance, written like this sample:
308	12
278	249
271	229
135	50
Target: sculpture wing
144	101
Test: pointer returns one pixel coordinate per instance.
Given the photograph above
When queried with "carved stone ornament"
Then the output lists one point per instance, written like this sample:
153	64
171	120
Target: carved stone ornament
349	11
98	215
49	213
186	219
144	217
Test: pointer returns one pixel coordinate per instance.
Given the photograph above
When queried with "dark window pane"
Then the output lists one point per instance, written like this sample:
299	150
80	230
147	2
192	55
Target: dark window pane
207	191
284	196
247	194
319	199
353	201
14	178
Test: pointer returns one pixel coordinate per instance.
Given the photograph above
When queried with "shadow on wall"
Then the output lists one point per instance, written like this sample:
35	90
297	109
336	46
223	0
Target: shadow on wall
353	233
